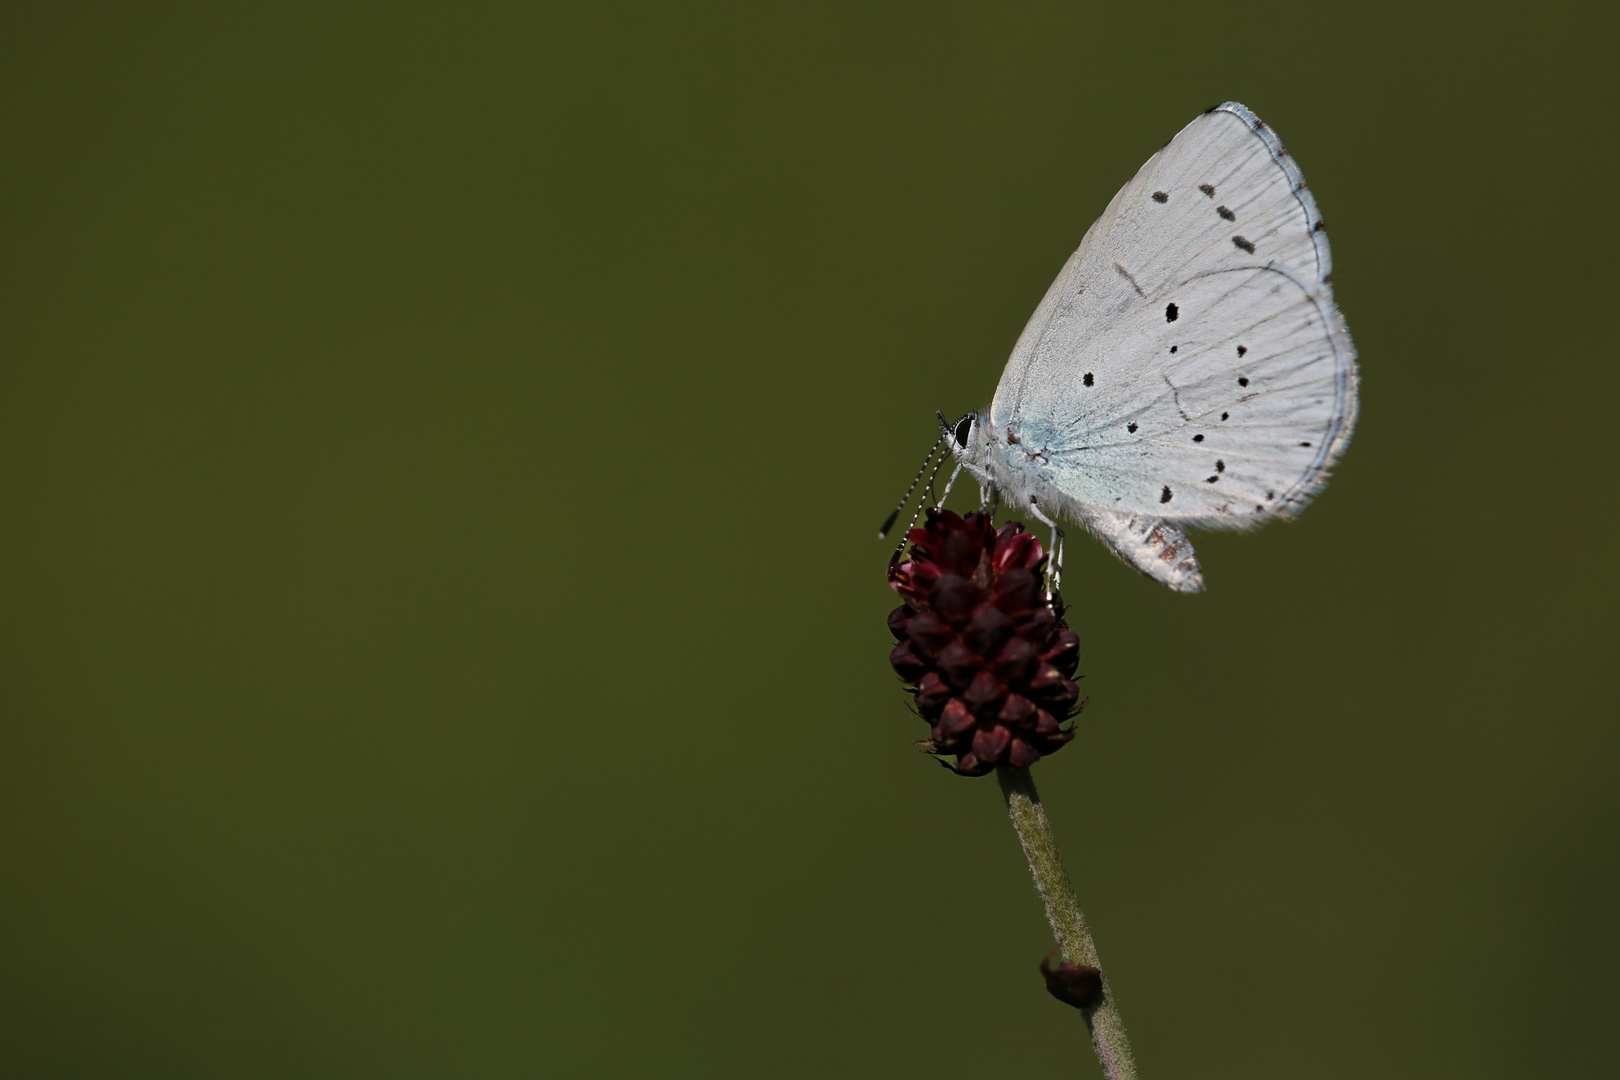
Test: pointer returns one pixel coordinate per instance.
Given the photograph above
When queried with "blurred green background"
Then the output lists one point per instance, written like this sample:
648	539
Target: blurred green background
444	630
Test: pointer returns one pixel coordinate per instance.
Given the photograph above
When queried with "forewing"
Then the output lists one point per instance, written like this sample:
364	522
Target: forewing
1189	361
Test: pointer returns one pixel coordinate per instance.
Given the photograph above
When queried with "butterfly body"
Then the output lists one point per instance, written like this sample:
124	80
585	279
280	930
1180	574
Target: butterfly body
1188	367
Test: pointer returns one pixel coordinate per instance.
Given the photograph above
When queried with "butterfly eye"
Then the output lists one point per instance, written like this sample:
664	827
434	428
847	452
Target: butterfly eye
964	427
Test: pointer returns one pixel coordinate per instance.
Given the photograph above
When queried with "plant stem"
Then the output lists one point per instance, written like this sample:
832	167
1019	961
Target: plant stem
1068	922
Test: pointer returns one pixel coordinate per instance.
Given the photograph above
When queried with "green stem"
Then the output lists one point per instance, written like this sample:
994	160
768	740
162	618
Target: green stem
1068	922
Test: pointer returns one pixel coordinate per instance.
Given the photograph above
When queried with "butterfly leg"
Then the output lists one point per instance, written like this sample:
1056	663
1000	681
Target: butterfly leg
1060	540
948	485
1056	550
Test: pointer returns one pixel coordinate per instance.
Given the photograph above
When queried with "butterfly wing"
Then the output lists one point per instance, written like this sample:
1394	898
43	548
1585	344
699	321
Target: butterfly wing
1189	363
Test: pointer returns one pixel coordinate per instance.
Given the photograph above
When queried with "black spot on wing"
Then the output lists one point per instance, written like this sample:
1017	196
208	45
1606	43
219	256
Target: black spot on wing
1172	349
1243	380
1160	197
1211	479
1131	427
1225	415
1305	444
1242	349
1164	496
1207	190
1171	313
1244	244
1220	466
1198	438
1320	226
1088	380
1225	213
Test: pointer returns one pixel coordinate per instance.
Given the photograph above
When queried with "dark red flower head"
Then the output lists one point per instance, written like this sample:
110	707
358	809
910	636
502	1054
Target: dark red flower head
982	644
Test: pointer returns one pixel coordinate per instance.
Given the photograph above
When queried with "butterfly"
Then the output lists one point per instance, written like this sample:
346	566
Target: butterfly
1188	367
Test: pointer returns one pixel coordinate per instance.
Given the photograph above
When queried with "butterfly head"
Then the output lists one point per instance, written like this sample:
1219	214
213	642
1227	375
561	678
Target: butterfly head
959	434
969	443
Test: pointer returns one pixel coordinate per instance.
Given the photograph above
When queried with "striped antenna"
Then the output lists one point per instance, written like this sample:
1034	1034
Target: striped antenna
940	464
888	522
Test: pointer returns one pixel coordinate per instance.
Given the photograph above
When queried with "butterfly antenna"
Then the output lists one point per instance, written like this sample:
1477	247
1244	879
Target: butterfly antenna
888	523
940	464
